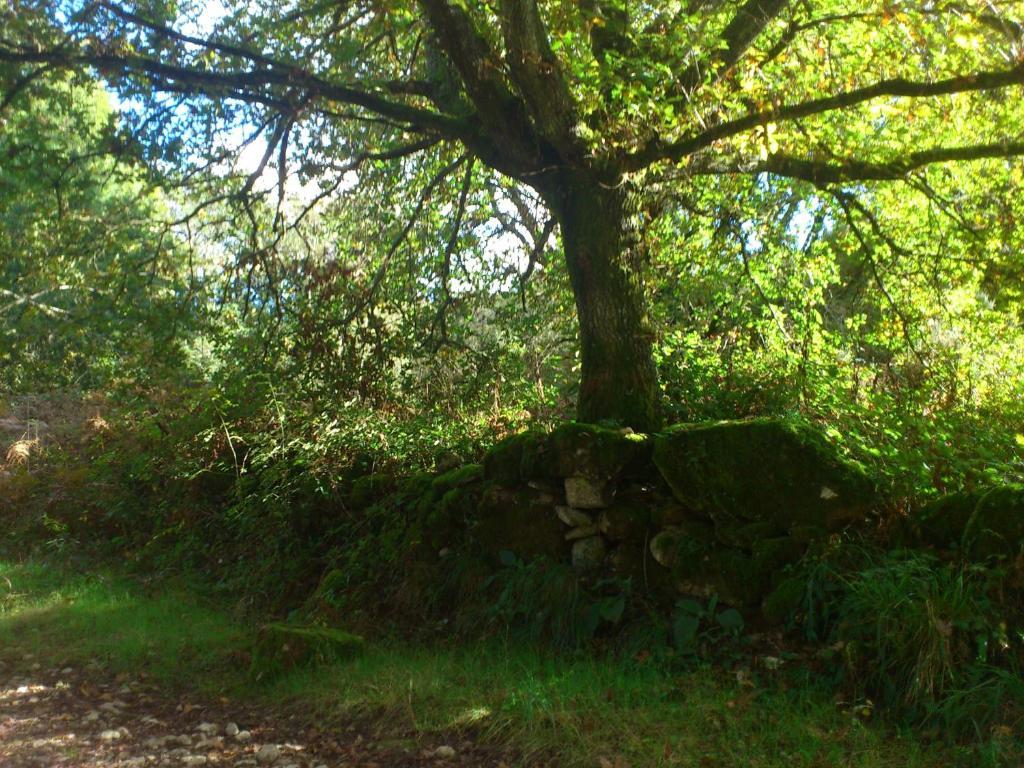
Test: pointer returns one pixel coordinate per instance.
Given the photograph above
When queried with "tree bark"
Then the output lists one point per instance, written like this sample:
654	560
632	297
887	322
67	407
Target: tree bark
603	236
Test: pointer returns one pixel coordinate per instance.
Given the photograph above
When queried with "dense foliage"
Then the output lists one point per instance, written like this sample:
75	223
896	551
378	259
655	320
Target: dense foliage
287	263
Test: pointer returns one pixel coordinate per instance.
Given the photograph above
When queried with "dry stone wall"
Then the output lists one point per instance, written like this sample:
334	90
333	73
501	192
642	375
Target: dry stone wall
717	508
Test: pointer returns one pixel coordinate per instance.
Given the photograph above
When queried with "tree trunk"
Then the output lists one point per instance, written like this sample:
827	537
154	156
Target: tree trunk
603	236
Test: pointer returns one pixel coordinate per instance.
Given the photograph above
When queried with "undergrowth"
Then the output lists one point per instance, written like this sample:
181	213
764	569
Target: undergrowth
576	708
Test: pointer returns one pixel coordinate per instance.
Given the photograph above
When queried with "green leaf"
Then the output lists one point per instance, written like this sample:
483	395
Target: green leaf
690	607
731	620
684	632
612	608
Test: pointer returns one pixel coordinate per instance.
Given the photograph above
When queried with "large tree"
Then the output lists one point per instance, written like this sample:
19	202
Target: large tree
600	106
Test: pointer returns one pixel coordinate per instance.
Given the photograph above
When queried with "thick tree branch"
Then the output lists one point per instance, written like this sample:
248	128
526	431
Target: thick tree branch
538	74
827	172
657	150
502	115
254	85
737	37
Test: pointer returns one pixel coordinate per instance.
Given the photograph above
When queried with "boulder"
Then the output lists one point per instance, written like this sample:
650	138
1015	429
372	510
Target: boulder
586	493
769	470
588	554
622	523
573	517
518	458
600	453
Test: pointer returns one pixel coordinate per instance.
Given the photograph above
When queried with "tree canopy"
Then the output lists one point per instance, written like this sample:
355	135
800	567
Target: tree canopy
714	184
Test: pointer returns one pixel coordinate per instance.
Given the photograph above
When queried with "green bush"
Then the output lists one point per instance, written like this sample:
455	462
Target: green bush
929	637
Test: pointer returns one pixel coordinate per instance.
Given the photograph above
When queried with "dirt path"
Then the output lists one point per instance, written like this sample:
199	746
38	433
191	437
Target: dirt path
89	718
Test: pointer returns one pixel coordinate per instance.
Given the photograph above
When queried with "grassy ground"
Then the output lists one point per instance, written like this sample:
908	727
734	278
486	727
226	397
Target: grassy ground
582	710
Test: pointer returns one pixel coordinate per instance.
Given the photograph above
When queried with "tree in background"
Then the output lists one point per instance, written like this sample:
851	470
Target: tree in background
91	284
602	107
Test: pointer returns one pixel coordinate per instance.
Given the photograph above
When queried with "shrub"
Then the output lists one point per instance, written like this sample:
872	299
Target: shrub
928	637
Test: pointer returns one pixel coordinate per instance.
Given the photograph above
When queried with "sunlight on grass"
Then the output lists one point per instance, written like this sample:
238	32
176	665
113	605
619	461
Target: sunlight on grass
171	636
581	708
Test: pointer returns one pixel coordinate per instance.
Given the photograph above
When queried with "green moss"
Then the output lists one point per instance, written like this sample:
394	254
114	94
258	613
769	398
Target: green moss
414	486
458	477
996	526
762	470
280	648
941	523
599	452
517	458
622	523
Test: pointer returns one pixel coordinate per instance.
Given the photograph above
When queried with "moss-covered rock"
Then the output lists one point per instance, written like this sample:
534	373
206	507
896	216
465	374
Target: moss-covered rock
673	513
807	534
519	458
280	648
412	487
681	553
762	470
996	526
941	522
519	520
983	523
739	579
600	453
588	553
771	555
586	493
624	523
458	477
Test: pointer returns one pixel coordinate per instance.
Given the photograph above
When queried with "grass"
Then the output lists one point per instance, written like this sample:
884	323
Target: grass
581	710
